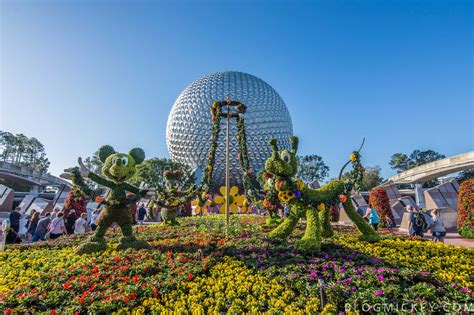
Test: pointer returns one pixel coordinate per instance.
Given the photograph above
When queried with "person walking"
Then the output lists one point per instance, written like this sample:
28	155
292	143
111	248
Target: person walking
94	217
57	227
437	229
390	223
41	228
416	222
70	221
373	217
32	224
13	236
141	213
80	227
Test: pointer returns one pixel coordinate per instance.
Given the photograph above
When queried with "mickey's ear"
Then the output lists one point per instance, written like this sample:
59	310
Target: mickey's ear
104	152
294	144
138	155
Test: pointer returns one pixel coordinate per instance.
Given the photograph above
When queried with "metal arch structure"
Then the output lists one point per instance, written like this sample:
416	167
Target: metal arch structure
25	175
434	169
188	130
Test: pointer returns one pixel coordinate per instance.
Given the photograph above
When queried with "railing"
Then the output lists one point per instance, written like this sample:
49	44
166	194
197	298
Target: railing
24	171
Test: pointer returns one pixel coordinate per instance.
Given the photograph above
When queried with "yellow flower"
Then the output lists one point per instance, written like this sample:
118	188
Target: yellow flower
353	156
285	195
201	208
321	207
299	184
246	207
235	200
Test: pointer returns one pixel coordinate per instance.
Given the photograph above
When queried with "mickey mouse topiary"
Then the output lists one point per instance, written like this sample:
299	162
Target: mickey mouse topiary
118	168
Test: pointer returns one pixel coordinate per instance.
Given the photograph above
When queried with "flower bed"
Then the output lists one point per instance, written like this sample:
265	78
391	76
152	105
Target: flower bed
205	267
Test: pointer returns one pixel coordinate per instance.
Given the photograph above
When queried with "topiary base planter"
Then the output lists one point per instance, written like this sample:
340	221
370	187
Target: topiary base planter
91	247
169	216
132	242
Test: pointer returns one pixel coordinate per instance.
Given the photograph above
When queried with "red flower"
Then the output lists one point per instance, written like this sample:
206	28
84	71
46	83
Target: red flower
190	277
8	311
116	258
135	279
96	269
125	299
132	296
53	312
67	285
81	300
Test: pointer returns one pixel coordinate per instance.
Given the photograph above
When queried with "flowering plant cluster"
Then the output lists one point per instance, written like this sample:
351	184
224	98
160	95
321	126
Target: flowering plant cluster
206	267
378	199
466	208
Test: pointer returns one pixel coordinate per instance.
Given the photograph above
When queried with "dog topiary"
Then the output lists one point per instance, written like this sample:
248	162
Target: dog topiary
303	201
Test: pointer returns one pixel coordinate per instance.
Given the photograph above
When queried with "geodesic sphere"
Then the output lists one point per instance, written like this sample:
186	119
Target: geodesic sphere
188	132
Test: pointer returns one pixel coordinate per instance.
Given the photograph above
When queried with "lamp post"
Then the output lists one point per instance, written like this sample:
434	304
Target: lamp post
227	182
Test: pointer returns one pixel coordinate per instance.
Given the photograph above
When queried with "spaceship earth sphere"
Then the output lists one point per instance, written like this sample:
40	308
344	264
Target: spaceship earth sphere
188	131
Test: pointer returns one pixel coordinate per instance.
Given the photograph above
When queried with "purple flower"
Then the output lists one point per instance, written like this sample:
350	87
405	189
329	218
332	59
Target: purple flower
297	193
380	278
353	288
313	275
464	290
326	257
378	292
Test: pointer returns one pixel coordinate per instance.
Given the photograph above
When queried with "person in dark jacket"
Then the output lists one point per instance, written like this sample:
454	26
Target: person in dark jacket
70	221
141	214
33	223
13	236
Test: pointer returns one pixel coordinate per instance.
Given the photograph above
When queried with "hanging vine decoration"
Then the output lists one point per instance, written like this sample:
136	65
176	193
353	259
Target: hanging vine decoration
357	174
249	179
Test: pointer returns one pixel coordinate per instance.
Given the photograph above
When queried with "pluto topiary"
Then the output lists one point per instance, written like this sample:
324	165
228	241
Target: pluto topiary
118	168
279	169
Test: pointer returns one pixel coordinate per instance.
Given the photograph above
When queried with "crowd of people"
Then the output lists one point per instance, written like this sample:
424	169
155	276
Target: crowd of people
50	226
58	223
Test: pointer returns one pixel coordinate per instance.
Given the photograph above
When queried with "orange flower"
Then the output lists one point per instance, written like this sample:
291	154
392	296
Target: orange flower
99	199
343	198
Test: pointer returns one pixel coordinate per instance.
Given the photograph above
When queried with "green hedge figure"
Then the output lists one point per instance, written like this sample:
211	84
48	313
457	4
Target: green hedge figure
118	168
172	198
280	168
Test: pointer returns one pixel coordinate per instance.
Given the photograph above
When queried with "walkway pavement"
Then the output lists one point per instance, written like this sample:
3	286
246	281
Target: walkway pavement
452	238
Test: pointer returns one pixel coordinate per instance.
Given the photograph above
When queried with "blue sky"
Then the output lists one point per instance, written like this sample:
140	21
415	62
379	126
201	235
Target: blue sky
79	74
